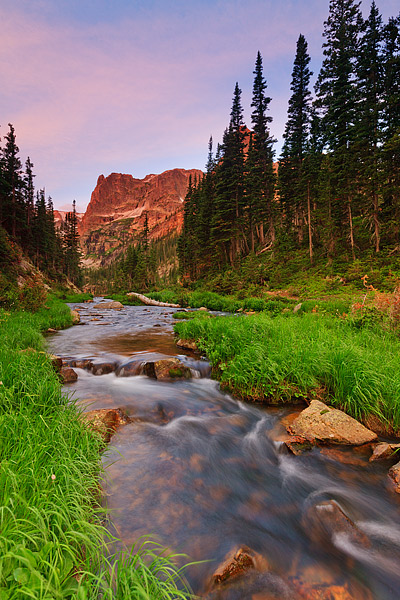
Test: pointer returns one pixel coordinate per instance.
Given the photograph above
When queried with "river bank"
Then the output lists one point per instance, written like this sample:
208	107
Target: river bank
53	541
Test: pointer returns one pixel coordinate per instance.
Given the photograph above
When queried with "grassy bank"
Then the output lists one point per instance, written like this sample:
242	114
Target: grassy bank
52	541
214	301
307	355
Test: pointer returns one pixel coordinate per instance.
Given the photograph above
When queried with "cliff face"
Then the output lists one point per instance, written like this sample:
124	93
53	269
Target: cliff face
119	204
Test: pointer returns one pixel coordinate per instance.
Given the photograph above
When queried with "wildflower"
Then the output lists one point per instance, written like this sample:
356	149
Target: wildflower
53	477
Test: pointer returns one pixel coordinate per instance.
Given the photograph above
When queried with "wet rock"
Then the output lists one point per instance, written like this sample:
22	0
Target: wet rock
171	368
56	362
88	301
374	423
76	318
130	368
81	363
203	308
167	369
237	563
103	368
384	451
68	375
321	423
51	330
114	304
325	521
188	345
394	474
297	444
106	421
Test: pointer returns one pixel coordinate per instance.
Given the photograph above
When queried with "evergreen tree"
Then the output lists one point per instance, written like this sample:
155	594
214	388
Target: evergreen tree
261	173
368	129
13	214
337	97
294	186
391	130
72	255
228	226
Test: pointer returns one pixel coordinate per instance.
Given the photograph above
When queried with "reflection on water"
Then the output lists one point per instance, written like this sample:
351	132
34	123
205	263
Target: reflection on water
204	474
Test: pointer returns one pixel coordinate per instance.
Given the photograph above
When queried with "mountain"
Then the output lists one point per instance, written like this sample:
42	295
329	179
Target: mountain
59	217
119	205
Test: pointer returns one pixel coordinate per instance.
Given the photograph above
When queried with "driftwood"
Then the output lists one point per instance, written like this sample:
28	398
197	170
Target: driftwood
151	302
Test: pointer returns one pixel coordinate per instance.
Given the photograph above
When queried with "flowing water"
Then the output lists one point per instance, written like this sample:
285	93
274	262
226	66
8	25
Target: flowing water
205	474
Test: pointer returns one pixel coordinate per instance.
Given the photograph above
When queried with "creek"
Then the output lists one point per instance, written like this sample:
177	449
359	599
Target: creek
203	474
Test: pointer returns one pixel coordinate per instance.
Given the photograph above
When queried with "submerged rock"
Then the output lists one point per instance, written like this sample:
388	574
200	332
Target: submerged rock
237	563
321	423
81	363
68	375
326	522
106	421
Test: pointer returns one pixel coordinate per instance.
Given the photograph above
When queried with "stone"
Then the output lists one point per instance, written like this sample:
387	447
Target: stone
384	451
81	363
113	304
188	345
324	521
321	423
394	474
106	421
76	318
167	369
297	444
56	362
130	368
237	563
170	369
297	308
103	368
203	308
68	375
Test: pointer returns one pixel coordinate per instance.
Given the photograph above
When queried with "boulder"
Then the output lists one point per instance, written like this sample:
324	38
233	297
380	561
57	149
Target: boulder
105	421
384	451
171	369
188	345
321	423
76	318
394	474
113	304
68	375
203	308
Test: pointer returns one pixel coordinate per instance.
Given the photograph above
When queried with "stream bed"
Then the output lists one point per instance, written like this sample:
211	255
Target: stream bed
205	474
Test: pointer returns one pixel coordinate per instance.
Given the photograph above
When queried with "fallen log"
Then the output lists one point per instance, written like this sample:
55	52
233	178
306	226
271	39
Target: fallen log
151	302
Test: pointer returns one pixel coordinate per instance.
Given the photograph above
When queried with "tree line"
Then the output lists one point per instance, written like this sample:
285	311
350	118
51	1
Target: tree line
335	190
28	217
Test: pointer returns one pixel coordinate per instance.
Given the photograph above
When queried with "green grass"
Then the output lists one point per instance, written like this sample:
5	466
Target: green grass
126	300
52	538
217	302
297	356
74	297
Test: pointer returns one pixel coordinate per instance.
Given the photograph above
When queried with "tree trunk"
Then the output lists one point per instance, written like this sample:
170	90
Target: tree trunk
376	224
310	243
351	229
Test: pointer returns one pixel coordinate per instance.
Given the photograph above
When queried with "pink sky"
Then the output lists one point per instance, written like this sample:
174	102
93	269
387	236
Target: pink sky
138	87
